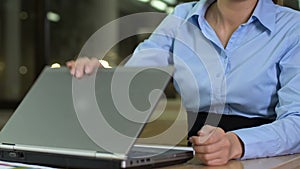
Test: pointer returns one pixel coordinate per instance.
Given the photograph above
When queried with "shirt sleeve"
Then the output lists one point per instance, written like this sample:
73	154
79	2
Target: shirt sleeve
157	50
283	135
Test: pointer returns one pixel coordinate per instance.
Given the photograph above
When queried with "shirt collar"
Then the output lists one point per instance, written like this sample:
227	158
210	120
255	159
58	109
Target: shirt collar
265	12
200	8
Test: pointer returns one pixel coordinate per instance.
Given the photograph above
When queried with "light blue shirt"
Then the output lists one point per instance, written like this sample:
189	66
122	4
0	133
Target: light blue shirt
256	75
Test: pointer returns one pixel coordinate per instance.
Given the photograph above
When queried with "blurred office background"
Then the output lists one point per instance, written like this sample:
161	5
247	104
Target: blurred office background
35	33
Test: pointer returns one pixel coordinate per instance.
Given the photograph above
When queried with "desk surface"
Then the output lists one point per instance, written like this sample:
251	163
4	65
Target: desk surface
280	162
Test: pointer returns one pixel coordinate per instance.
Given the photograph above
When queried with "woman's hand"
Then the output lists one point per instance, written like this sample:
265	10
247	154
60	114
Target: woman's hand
215	147
82	66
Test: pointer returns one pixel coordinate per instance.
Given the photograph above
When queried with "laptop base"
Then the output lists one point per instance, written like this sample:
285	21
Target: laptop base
68	161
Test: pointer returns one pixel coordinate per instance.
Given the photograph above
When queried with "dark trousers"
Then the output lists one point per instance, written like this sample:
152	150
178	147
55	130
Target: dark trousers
227	122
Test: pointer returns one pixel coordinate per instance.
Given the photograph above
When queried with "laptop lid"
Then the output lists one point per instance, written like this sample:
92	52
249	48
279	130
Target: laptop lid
59	111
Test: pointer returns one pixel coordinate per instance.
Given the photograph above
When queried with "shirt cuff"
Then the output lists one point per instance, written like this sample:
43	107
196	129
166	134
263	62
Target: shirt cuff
257	143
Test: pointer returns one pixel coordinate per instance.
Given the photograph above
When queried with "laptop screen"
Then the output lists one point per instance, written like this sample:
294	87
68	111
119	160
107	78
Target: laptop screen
104	112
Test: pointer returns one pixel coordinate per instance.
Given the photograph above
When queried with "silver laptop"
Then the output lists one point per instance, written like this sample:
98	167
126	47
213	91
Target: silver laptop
89	123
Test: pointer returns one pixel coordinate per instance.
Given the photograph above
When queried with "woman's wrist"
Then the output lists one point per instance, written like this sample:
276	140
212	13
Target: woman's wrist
237	146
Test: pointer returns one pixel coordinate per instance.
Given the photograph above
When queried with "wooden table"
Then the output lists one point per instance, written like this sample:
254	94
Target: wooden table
280	162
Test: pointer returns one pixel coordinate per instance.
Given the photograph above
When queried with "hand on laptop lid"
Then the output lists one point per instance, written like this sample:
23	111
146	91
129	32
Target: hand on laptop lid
83	65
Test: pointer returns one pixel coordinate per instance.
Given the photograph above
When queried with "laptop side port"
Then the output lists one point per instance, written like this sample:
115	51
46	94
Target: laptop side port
16	155
137	162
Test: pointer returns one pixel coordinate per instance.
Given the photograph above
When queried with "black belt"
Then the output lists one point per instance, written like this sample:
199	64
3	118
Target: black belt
227	122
